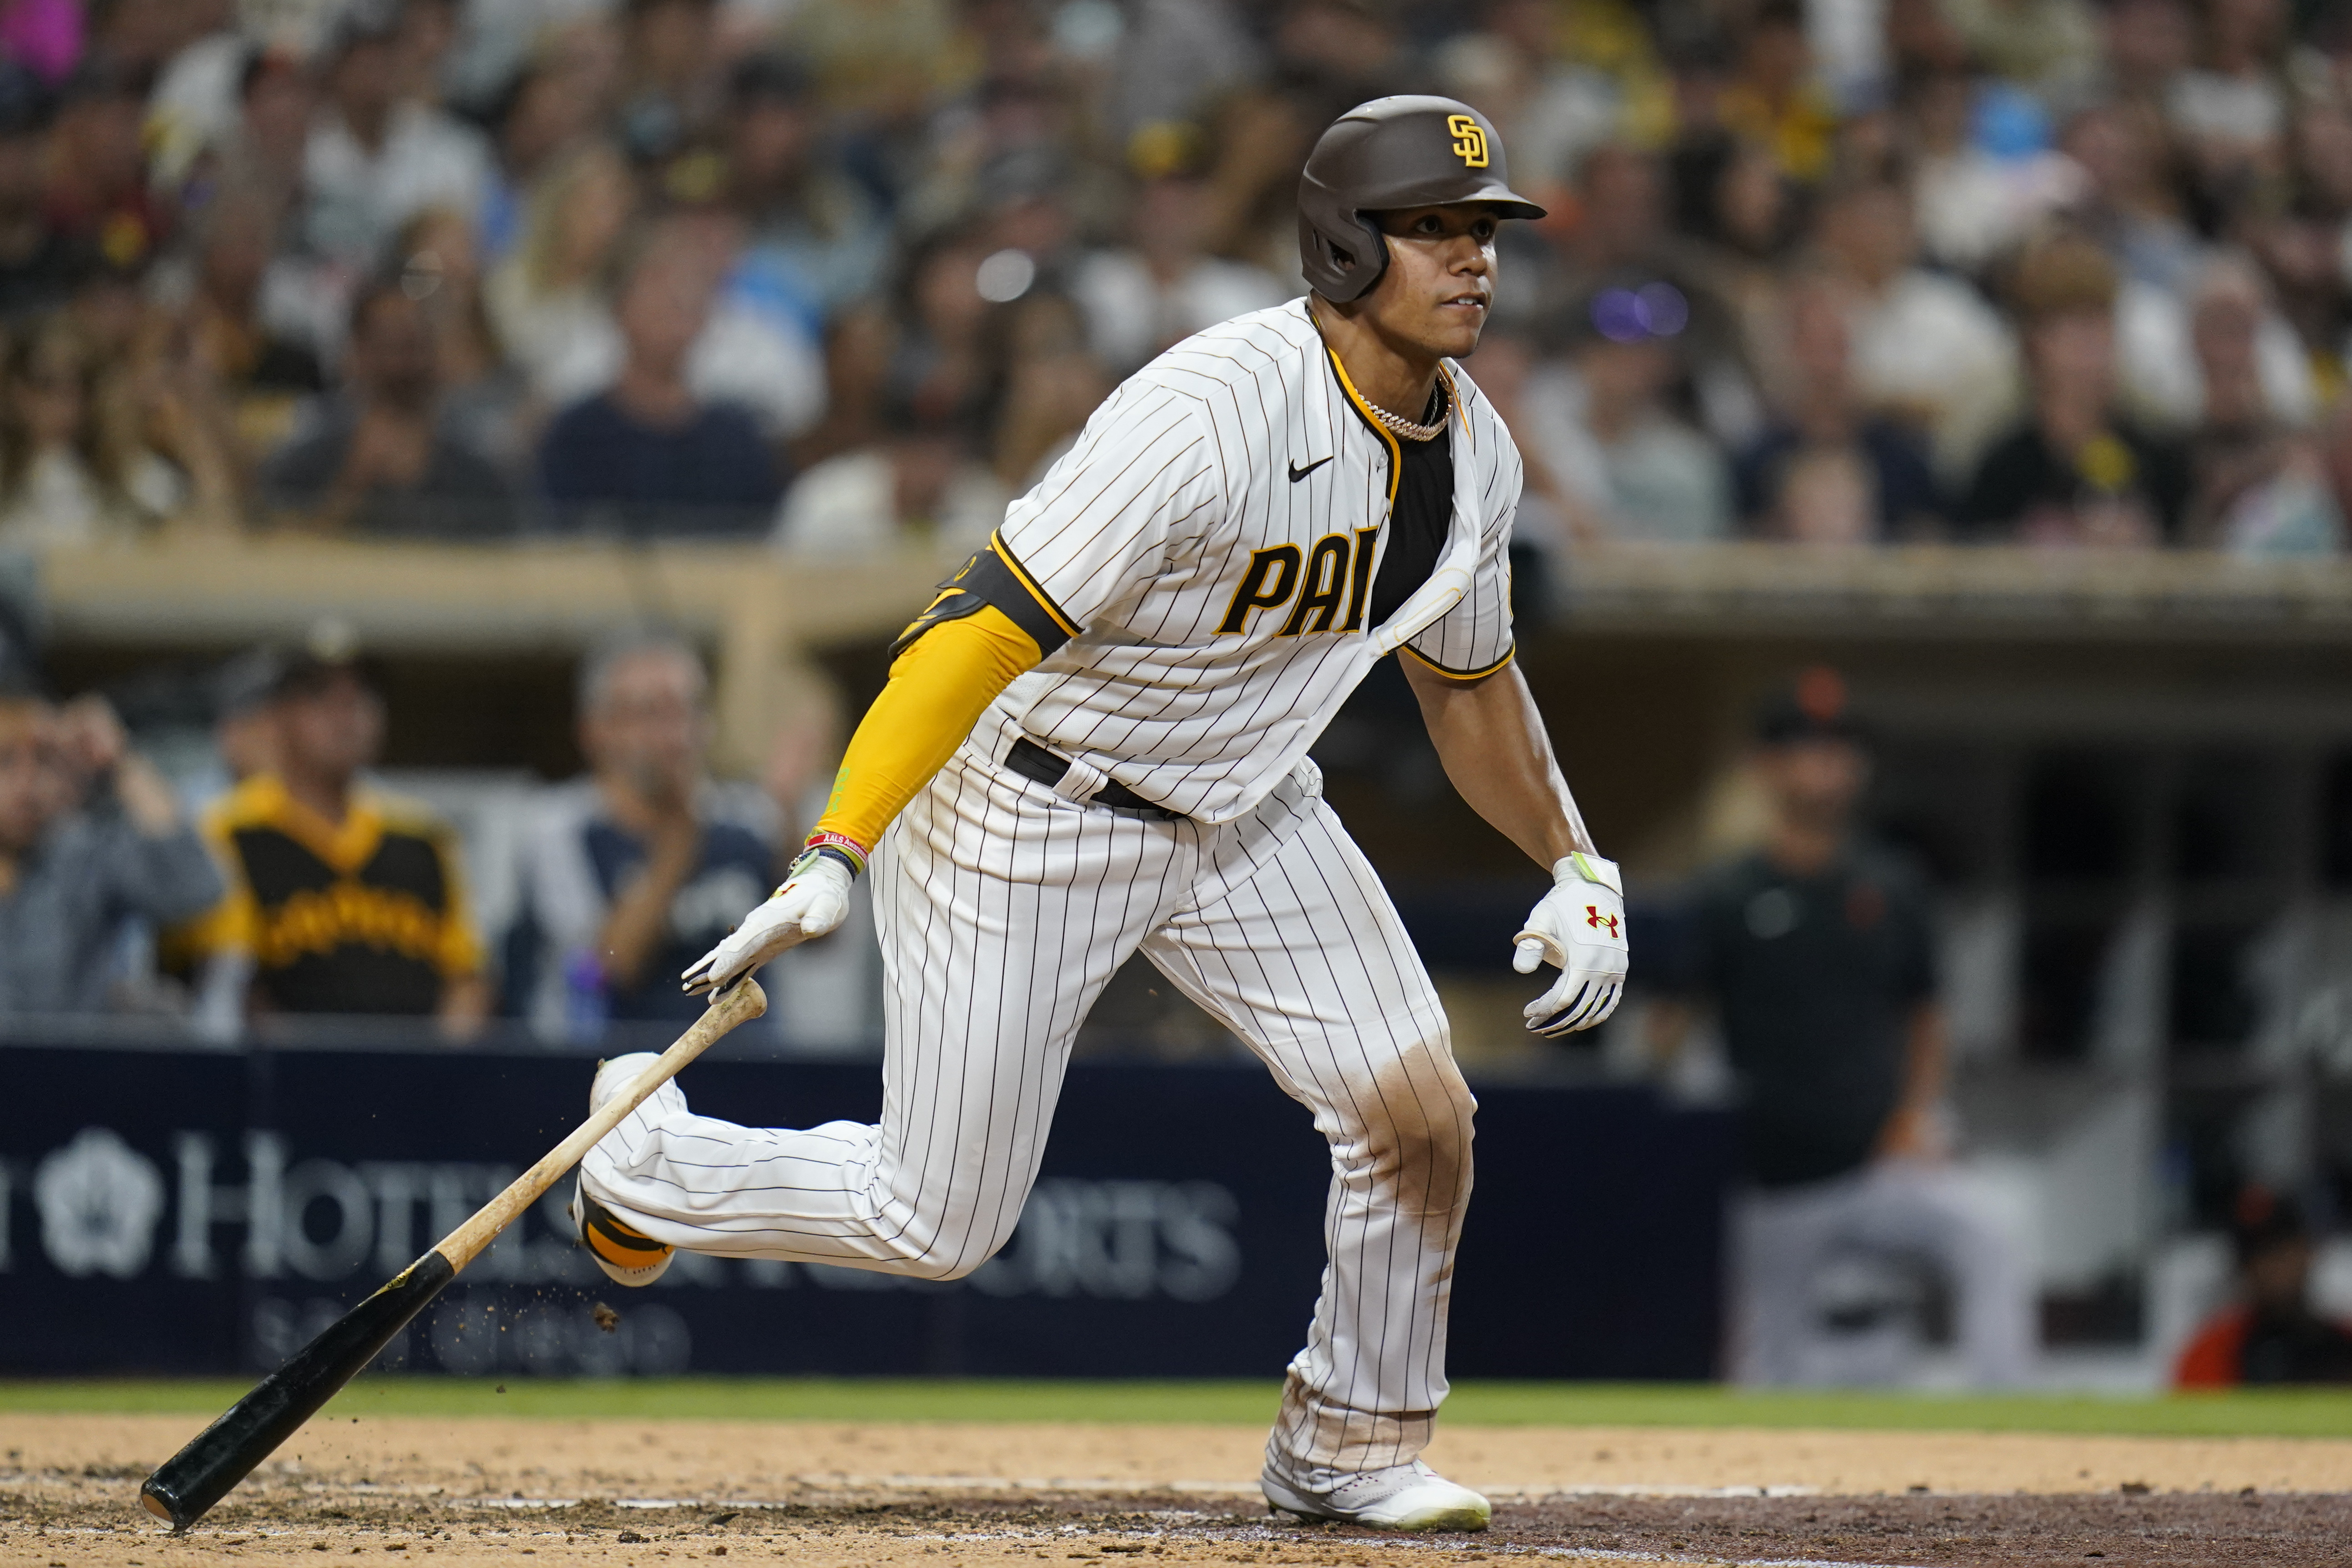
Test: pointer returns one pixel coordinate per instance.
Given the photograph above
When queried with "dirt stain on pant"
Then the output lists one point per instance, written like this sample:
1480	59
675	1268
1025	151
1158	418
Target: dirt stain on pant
1418	1139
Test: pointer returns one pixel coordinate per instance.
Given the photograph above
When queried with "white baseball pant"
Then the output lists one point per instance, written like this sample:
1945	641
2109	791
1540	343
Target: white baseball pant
1003	909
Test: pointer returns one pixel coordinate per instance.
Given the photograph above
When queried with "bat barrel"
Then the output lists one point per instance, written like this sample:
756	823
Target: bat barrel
187	1484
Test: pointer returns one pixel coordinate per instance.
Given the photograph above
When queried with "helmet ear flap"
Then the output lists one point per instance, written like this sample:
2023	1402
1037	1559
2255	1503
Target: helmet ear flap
1372	258
1346	264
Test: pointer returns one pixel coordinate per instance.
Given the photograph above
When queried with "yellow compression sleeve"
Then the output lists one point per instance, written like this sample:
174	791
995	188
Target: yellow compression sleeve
936	691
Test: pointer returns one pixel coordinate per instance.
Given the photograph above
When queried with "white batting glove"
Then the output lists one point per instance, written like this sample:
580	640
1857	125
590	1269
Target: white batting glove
813	900
1579	925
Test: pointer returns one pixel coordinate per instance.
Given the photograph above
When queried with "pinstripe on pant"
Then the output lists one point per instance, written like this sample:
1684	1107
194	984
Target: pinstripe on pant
1003	908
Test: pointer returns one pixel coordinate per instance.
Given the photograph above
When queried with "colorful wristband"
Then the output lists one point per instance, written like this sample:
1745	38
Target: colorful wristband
844	847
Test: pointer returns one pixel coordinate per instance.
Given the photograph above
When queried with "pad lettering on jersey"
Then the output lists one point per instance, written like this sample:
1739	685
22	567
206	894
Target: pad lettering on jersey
1336	573
1326	584
1271	579
1360	579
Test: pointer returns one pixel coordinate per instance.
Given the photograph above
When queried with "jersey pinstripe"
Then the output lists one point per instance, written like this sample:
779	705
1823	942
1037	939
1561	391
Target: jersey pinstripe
1216	602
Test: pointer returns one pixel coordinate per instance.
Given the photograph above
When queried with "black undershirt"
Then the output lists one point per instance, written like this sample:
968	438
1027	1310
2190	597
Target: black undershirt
1420	517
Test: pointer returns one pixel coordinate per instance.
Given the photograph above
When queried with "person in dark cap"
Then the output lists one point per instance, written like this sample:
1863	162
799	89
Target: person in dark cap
1815	955
2271	1334
341	900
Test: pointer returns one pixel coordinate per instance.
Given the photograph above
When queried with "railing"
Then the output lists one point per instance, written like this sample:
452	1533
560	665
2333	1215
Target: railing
1942	591
761	611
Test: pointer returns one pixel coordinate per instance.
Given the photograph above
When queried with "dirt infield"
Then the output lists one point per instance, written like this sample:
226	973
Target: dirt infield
624	1494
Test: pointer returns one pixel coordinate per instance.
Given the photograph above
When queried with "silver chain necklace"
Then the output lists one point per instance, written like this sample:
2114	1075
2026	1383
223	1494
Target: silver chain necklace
1406	428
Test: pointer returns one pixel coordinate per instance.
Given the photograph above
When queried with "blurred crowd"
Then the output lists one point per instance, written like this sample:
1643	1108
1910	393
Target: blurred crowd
843	273
847	274
285	884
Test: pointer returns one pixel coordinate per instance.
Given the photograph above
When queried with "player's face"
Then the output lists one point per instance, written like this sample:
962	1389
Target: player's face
651	727
334	731
1815	782
1440	281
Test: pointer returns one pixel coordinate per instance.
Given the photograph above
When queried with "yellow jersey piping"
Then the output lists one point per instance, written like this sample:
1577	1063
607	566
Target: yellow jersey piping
1510	654
1396	453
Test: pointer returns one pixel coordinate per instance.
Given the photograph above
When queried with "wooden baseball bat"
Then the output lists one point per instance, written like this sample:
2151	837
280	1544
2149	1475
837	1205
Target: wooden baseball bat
187	1484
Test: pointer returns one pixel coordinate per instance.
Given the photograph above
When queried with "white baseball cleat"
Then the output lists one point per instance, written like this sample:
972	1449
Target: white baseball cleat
626	1255
1402	1497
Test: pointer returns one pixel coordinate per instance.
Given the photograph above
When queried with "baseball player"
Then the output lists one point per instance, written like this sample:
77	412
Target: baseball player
1094	741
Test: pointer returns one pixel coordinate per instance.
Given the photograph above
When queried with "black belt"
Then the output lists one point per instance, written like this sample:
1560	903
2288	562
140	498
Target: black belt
1032	761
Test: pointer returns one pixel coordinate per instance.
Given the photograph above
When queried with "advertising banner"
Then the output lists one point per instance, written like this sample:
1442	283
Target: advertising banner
180	1211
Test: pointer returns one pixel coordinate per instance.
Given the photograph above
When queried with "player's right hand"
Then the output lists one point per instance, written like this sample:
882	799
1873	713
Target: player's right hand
813	900
1580	926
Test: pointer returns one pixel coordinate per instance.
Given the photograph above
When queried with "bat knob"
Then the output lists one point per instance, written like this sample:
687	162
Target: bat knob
156	1504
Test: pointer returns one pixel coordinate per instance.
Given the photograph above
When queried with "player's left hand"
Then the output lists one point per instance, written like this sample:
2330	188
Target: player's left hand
1579	925
813	900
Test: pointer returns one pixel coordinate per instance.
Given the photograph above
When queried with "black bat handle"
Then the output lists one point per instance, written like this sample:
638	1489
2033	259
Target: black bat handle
187	1484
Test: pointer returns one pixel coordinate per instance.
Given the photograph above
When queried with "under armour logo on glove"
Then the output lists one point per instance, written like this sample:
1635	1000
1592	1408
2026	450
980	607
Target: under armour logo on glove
1590	952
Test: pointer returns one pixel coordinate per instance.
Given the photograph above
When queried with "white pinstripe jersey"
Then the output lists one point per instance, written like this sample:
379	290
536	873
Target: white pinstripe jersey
1211	543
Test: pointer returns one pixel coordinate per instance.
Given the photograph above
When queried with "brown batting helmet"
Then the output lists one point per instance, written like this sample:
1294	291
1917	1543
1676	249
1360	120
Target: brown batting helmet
1405	152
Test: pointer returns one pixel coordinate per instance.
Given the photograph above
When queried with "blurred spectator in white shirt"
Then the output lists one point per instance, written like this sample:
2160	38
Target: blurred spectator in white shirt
376	157
624	870
193	106
2257	486
1162	286
2231	110
1927	348
921	485
1606	430
1972	205
553	289
2162	362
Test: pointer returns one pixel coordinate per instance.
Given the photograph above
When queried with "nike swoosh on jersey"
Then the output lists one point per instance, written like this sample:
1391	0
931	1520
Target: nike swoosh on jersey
1297	473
